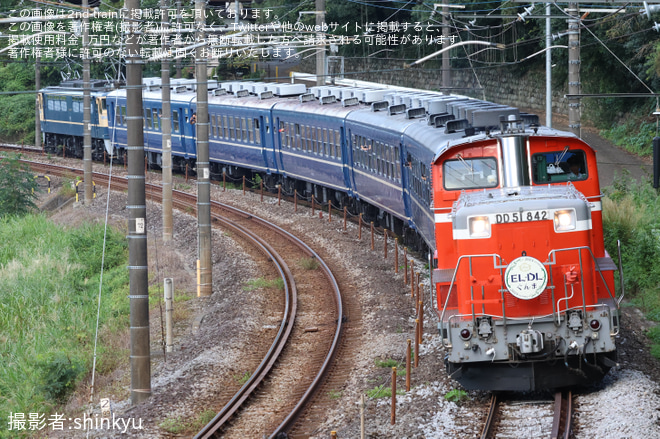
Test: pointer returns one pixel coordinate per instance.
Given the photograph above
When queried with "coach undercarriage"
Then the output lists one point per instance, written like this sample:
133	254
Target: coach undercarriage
234	174
72	146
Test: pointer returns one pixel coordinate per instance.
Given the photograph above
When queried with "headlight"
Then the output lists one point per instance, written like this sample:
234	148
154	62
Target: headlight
564	220
479	227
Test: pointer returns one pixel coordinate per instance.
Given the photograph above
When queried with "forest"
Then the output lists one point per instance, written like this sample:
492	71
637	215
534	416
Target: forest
619	47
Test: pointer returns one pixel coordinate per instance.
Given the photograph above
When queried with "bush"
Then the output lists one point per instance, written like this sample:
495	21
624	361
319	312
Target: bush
633	136
59	373
631	214
17	118
17	187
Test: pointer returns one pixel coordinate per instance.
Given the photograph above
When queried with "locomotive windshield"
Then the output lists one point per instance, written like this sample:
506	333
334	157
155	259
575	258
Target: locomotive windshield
470	173
559	166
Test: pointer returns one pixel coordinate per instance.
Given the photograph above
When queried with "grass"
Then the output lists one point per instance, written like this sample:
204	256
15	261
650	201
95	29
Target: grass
382	392
633	135
256	284
242	379
181	425
631	214
48	299
309	263
456	395
182	187
390	363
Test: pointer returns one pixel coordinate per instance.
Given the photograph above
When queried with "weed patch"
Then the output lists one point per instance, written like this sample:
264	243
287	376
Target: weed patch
49	285
255	284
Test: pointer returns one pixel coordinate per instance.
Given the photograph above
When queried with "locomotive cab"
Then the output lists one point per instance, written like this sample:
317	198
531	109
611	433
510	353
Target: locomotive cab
525	290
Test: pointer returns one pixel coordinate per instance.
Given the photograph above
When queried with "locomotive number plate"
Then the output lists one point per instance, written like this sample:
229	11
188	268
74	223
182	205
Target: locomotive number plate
519	217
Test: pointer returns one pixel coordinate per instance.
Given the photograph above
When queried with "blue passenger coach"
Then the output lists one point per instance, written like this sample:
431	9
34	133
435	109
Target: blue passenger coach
61	115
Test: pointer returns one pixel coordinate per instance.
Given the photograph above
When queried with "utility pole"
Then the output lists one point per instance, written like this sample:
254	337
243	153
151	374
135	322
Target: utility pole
137	210
37	115
446	65
574	68
203	168
548	67
320	52
87	110
166	126
178	27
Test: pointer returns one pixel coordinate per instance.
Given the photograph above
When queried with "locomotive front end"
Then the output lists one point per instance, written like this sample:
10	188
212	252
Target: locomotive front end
525	291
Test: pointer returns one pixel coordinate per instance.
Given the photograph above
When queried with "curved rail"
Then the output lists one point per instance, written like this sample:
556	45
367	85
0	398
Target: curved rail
185	200
487	430
561	420
268	362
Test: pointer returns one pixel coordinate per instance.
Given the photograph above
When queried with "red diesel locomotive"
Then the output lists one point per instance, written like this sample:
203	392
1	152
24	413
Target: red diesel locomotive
525	289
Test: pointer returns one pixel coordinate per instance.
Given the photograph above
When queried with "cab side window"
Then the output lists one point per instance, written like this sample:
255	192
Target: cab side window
470	173
559	166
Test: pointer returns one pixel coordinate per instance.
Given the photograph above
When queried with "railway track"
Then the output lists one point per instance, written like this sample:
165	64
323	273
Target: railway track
529	418
298	360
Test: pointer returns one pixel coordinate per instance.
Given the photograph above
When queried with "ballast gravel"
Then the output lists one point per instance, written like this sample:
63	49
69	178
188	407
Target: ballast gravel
625	405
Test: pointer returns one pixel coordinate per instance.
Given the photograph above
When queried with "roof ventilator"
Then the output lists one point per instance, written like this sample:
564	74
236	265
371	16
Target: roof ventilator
242	93
328	99
266	95
414	113
219	92
456	125
180	89
307	97
431	118
348	102
396	109
379	106
442	119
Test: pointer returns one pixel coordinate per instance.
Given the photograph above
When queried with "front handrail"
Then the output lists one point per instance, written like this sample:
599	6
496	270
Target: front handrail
620	267
551	260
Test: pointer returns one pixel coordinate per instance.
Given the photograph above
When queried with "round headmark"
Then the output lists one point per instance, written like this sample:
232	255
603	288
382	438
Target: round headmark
526	278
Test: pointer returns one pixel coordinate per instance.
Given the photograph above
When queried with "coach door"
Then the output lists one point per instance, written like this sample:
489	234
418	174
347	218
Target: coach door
178	137
264	139
349	159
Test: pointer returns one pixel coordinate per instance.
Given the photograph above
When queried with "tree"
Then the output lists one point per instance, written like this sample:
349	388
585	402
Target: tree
17	187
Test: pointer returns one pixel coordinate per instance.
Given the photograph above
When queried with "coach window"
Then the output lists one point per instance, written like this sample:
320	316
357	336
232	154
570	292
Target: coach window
257	132
559	166
282	133
296	140
305	144
123	114
156	119
470	173
397	167
214	126
175	121
230	128
244	129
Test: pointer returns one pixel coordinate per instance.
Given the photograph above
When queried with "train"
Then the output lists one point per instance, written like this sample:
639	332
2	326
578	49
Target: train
509	210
